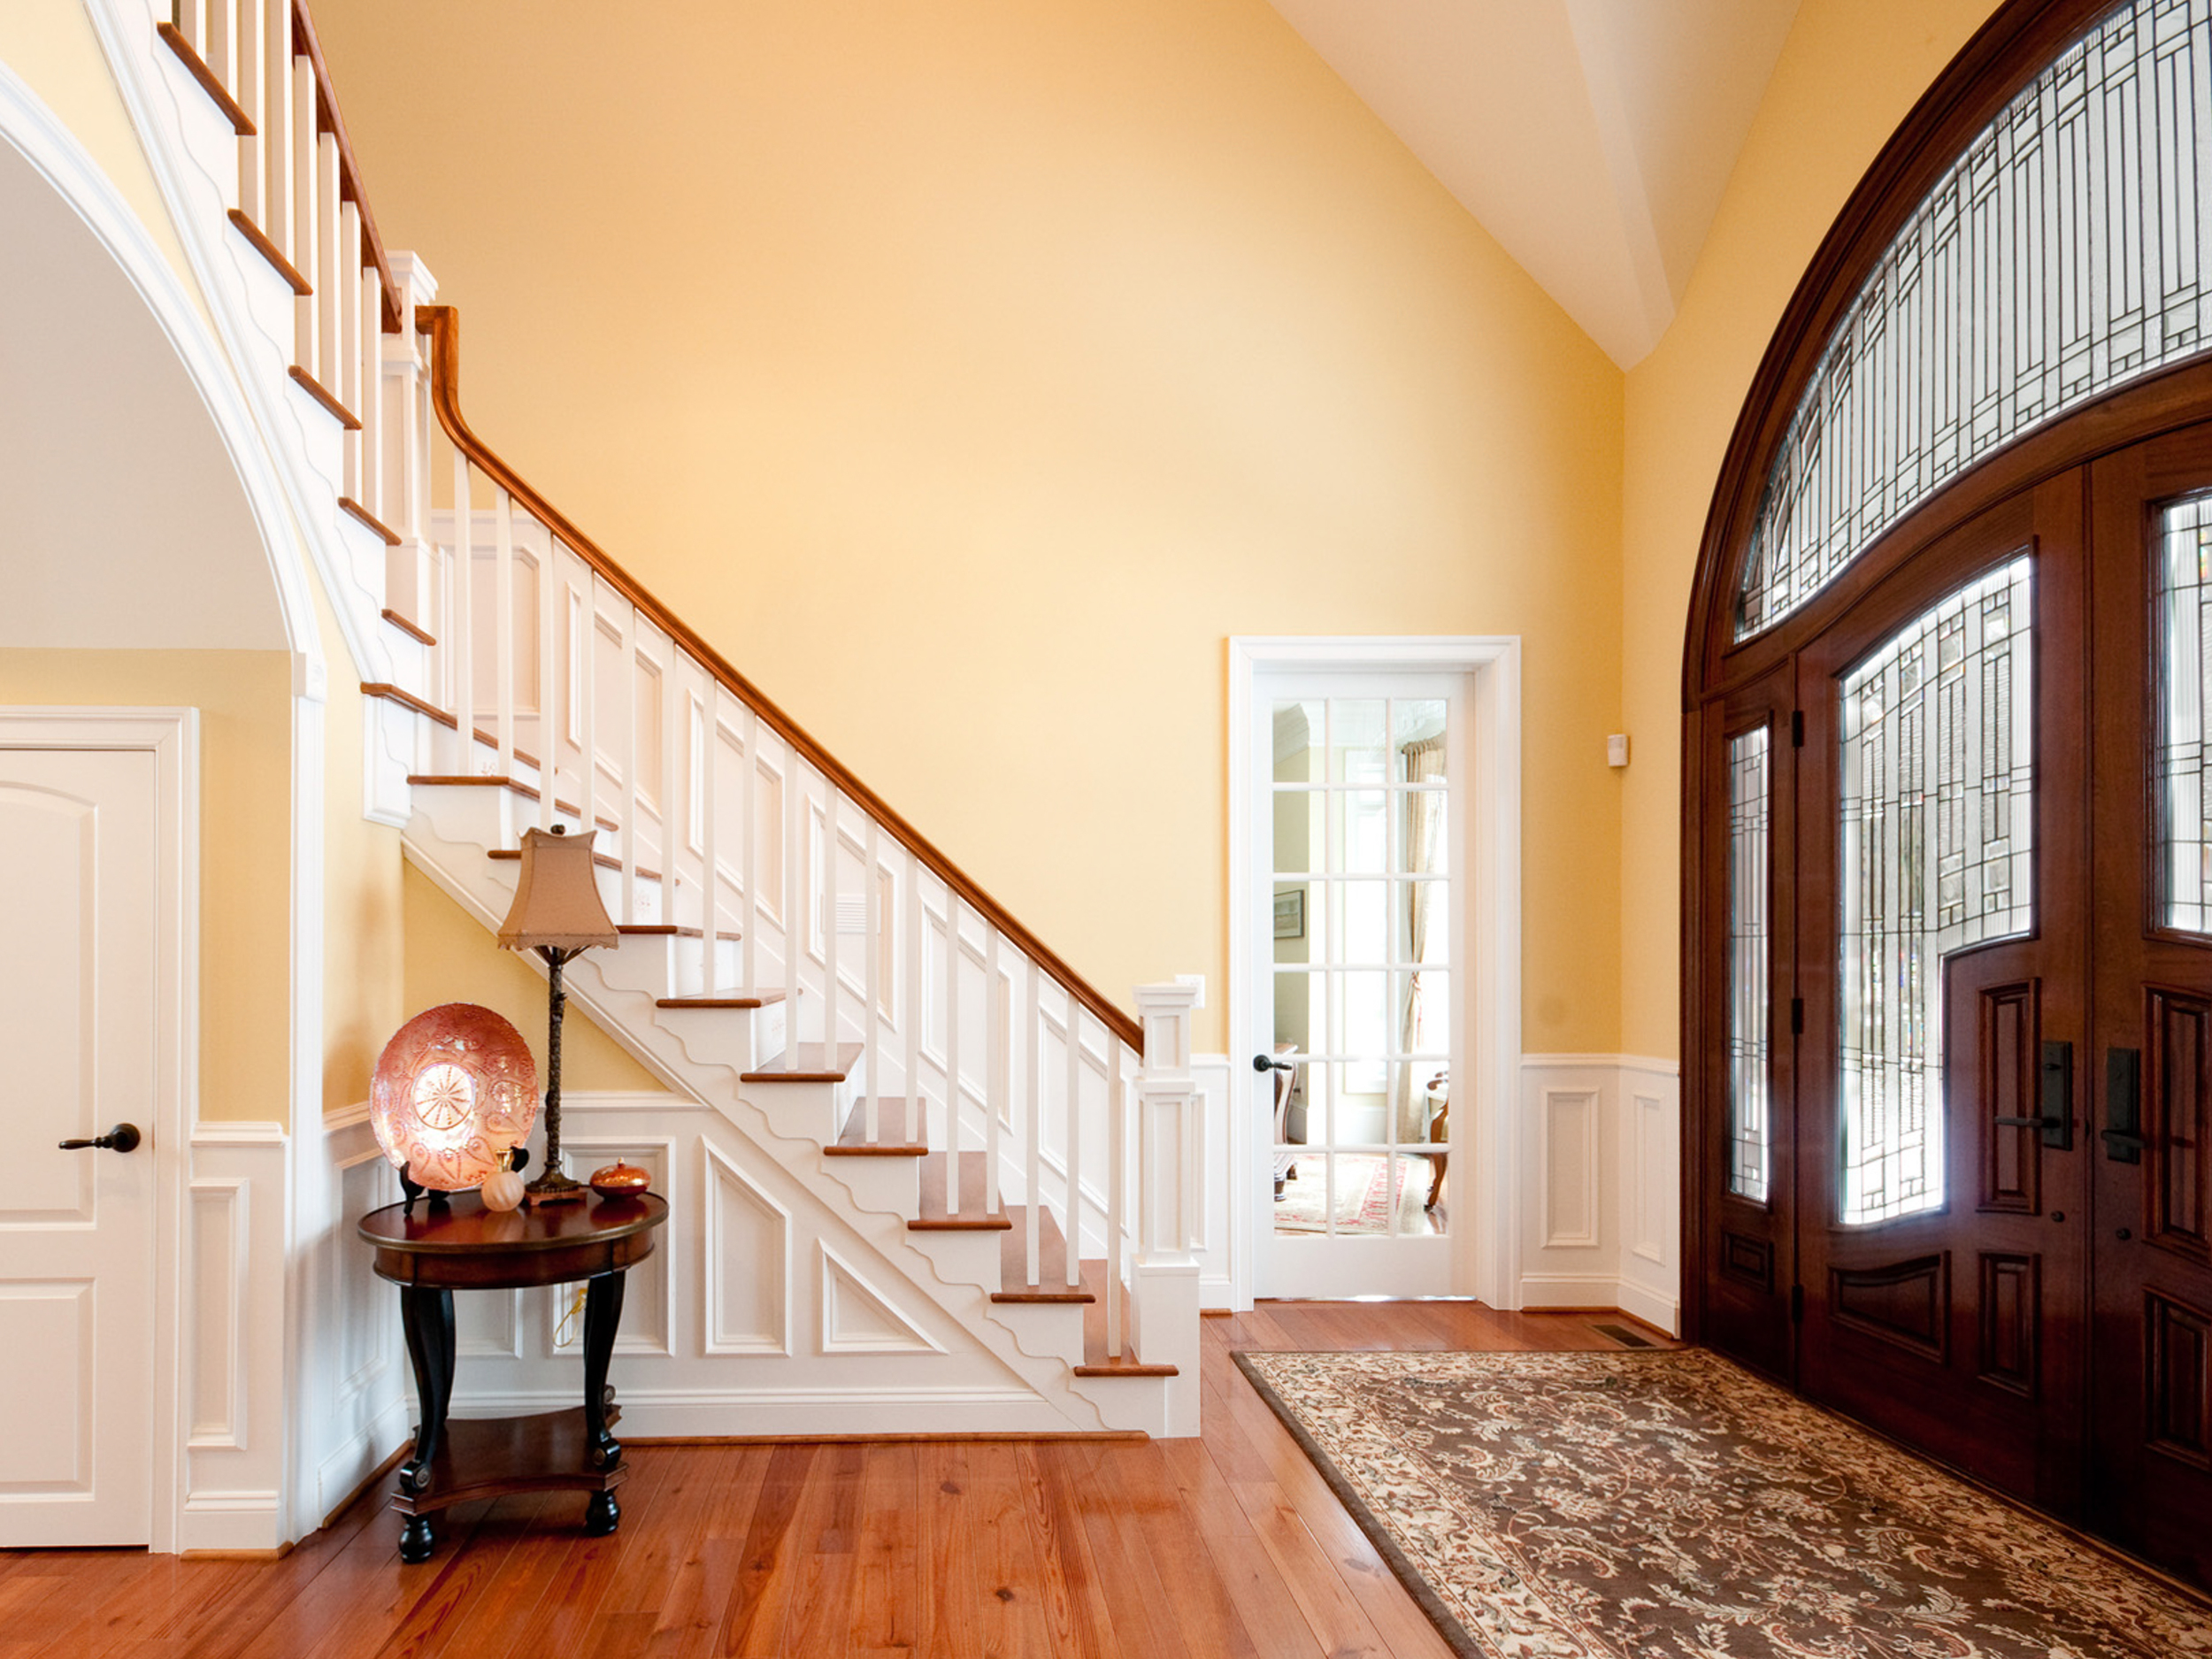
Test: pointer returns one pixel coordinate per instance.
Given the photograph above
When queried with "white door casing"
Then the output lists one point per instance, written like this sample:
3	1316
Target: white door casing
1482	1257
94	907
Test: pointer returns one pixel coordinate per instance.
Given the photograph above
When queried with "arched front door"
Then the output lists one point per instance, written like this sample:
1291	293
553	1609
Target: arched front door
1949	848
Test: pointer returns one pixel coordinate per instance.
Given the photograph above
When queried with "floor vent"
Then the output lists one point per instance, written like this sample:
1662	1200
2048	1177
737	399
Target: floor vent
1621	1334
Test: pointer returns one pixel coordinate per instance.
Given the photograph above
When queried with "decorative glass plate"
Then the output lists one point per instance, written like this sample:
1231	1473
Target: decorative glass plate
454	1090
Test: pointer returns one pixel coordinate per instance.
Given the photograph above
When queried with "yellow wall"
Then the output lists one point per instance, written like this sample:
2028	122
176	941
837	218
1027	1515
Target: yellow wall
451	957
1848	74
968	370
245	702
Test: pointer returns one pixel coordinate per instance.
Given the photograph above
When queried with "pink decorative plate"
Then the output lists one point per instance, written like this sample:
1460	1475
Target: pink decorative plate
455	1089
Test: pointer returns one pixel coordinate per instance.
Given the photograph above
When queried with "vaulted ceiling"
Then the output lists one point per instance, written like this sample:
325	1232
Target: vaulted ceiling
1593	138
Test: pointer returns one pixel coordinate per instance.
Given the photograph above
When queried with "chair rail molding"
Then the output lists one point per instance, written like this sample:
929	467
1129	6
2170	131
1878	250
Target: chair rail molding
1487	1263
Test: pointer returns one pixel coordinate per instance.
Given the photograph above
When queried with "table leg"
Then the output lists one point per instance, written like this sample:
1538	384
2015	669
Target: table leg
602	1313
427	1316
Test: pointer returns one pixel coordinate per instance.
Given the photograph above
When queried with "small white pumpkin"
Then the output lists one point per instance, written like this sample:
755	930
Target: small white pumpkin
502	1190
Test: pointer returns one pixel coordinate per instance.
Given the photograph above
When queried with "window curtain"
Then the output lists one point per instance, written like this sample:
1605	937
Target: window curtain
1423	763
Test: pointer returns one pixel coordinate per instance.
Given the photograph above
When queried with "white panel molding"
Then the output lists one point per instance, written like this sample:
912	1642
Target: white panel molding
649	1289
1604	1158
719	1255
221	1252
1224	1138
857	1317
1567	1179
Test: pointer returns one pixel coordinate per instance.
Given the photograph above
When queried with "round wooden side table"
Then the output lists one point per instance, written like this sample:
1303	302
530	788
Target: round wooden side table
460	1245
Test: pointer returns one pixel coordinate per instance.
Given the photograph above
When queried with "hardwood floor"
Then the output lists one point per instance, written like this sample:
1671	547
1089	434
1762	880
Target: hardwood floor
1228	1544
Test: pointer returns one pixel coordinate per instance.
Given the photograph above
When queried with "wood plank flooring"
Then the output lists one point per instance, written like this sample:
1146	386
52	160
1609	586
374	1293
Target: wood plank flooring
1228	1544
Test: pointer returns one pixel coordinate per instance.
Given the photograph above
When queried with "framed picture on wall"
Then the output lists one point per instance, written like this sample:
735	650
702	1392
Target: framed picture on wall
1290	914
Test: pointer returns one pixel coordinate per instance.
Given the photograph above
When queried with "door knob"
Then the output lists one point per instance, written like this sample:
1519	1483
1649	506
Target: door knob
1266	1062
122	1138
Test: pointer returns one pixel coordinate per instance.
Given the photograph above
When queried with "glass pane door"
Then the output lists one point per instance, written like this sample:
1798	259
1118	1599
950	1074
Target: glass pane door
1359	826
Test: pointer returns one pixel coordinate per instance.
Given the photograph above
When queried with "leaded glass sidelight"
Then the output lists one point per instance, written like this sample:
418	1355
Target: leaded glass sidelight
1937	788
1749	827
2063	255
2181	617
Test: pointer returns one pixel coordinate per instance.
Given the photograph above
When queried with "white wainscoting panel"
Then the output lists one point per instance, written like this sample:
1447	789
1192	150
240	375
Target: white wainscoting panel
232	1334
745	1262
1224	1133
1600	1155
858	1318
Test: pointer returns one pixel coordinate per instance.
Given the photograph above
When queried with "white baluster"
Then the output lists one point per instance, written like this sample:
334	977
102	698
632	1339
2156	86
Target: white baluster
952	1051
345	357
1000	1063
464	580
548	598
913	1001
305	248
588	673
629	761
1071	1129
829	921
503	636
1034	1125
709	832
748	836
871	980
1117	1169
191	19
675	766
330	285
795	919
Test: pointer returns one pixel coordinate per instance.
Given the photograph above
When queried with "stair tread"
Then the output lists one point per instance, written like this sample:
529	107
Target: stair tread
723	999
671	930
934	1217
1095	1361
1052	1261
893	1139
809	1063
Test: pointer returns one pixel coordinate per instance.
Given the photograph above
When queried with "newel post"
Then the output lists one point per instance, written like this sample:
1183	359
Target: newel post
1164	1289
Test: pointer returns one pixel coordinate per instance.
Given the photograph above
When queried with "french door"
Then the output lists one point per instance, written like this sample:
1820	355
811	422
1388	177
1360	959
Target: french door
1964	894
1358	822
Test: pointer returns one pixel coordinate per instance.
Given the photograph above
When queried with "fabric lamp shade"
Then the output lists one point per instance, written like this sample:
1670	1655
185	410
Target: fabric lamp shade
557	902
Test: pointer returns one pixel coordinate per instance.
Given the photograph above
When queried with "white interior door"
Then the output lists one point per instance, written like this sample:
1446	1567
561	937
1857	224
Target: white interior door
1358	819
77	1024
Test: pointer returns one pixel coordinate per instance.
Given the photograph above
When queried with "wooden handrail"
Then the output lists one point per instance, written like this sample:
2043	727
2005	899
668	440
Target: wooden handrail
328	119
442	324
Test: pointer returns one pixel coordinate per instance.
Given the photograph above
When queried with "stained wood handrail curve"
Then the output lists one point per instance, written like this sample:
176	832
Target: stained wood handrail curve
442	324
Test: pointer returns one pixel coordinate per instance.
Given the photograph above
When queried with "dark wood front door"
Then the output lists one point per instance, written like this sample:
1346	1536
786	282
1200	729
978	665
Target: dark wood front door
1940	909
2149	1082
1989	1141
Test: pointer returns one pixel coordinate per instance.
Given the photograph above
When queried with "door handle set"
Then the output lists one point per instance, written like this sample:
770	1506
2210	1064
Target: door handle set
2054	1098
122	1138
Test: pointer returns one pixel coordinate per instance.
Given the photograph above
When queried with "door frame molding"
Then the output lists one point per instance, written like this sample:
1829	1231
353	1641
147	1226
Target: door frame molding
1487	1253
172	736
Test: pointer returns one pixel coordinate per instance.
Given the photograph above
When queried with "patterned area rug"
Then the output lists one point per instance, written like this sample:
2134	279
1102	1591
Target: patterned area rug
1363	1197
1669	1505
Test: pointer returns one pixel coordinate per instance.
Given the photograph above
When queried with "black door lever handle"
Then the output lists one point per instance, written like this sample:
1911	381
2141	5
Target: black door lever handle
122	1138
1262	1063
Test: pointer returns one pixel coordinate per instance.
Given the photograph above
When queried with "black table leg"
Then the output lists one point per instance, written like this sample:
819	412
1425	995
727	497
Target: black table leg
603	1313
428	1317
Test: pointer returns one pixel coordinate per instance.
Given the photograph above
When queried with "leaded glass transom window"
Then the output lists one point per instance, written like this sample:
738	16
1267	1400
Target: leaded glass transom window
1937	785
2182	621
1750	827
2063	254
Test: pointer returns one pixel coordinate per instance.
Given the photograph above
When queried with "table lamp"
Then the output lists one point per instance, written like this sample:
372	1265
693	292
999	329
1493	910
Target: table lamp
558	912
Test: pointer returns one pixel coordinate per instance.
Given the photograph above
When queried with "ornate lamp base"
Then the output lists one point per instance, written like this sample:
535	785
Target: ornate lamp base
554	1188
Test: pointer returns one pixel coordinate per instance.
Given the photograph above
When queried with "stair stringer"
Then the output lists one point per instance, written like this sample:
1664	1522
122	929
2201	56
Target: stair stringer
955	1272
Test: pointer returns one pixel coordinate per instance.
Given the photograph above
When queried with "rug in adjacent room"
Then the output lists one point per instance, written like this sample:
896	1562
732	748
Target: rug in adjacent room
1670	1505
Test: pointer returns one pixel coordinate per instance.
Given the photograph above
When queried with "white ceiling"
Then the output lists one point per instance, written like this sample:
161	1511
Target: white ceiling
1593	138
